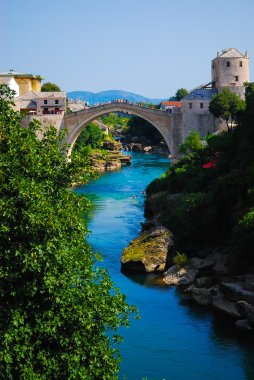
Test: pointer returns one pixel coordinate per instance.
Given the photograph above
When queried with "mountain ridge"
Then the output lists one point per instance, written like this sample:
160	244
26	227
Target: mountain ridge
109	95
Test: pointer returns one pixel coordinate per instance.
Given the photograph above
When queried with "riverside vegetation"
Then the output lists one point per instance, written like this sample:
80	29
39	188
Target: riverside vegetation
207	201
57	306
101	150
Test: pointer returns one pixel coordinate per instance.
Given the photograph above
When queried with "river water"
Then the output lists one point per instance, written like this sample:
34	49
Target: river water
172	340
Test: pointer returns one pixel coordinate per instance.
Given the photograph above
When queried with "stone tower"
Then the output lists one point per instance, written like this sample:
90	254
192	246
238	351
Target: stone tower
231	69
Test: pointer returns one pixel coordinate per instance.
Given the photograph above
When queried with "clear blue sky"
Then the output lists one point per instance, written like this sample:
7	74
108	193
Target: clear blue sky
151	47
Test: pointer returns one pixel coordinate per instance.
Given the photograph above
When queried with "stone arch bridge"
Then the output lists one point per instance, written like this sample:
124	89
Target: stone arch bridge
169	125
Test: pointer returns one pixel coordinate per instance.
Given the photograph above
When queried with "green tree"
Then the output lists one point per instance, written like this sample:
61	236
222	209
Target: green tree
181	93
57	307
227	106
192	143
49	87
91	135
139	127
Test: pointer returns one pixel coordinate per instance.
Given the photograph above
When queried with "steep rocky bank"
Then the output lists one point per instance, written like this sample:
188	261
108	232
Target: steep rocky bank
143	144
206	278
110	157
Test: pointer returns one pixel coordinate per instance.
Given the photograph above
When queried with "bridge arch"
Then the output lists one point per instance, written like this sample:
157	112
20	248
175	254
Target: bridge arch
75	122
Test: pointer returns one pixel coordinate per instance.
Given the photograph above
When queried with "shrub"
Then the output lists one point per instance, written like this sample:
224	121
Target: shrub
180	260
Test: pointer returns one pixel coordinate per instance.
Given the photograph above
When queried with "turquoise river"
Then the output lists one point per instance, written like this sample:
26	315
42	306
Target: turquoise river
172	340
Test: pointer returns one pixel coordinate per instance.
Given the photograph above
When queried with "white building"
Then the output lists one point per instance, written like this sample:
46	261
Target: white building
10	82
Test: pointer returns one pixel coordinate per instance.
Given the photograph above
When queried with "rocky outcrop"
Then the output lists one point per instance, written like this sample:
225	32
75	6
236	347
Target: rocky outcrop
149	252
246	310
112	145
243	324
181	277
146	148
222	304
207	282
111	161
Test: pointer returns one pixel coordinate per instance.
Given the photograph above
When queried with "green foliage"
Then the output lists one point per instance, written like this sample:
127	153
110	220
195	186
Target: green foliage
214	206
192	143
181	93
227	106
243	240
91	136
115	120
48	87
141	128
57	307
180	260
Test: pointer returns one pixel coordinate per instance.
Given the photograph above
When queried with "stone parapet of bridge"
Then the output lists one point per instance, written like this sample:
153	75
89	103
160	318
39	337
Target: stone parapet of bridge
167	124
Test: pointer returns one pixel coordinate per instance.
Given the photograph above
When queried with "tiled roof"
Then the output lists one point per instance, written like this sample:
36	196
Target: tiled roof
55	94
172	103
45	95
28	96
201	94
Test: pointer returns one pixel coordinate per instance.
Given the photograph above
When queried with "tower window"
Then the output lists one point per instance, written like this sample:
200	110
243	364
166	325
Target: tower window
228	63
190	106
236	78
201	105
45	102
56	101
241	63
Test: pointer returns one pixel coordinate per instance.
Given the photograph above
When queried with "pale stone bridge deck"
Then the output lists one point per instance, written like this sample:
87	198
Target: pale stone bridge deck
169	125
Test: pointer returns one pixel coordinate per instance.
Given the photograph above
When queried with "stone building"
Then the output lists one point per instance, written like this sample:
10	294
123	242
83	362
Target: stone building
29	97
26	82
231	69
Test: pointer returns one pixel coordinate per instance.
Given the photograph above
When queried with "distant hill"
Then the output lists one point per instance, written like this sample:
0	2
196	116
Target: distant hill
108	96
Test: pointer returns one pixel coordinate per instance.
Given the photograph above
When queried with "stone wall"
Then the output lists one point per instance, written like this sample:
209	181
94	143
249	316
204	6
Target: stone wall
46	120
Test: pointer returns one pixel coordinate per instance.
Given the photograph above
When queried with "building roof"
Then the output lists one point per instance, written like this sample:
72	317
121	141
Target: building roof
28	96
172	103
201	94
16	74
54	94
45	95
27	104
232	53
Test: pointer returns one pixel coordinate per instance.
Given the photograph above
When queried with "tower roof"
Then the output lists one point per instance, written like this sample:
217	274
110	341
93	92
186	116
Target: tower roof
232	53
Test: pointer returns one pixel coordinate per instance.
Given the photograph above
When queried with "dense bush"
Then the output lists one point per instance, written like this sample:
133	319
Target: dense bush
57	307
216	204
91	136
141	128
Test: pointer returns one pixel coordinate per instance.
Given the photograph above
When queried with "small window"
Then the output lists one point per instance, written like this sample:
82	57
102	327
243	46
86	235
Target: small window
45	102
213	65
236	78
241	63
228	63
56	101
190	105
201	105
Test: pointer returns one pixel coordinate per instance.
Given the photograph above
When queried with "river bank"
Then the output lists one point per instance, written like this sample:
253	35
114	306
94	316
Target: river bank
109	157
205	279
171	330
